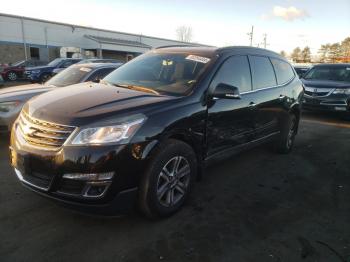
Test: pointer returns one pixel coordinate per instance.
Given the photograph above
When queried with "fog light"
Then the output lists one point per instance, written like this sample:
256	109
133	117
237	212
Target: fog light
90	177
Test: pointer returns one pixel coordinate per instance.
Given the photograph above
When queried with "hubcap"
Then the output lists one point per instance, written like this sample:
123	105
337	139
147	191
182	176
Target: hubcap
173	181
12	76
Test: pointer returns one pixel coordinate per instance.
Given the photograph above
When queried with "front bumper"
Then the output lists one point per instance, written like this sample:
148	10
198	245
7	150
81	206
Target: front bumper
329	103
42	171
31	76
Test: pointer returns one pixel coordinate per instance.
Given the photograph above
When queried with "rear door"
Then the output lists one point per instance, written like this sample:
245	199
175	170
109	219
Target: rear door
229	122
266	96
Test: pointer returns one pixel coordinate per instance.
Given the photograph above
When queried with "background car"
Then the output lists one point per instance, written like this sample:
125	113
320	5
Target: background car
1	81
99	60
301	70
16	70
41	74
13	98
327	88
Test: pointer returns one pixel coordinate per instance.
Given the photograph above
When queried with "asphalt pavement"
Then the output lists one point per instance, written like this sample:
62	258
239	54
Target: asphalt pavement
256	206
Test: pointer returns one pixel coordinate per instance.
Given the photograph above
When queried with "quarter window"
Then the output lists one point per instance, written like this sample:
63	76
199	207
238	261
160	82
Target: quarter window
284	71
234	71
262	71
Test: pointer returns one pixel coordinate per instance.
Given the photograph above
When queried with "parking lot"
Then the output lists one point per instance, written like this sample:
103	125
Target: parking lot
258	206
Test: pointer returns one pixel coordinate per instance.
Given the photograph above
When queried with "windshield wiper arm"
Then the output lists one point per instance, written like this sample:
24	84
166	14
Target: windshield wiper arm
138	88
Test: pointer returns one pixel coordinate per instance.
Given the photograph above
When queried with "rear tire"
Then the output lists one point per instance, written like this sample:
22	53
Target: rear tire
285	142
168	180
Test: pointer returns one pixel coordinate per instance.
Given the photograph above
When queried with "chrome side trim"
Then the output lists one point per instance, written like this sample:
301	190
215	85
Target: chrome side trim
21	178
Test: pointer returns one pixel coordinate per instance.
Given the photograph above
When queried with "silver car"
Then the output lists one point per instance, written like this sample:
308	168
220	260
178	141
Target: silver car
12	99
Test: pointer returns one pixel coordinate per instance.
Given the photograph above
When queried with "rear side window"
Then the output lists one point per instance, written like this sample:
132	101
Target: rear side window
284	71
262	72
235	72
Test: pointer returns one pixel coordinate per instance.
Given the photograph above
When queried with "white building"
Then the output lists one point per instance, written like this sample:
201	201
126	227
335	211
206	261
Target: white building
29	38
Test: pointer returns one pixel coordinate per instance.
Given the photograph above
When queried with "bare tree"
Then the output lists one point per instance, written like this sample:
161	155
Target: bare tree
184	33
283	53
306	55
296	54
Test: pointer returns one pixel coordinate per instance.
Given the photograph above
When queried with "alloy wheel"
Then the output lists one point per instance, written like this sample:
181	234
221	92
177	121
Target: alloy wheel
12	76
291	133
173	181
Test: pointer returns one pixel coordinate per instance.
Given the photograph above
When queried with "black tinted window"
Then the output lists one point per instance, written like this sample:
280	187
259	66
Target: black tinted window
284	71
100	73
262	70
235	71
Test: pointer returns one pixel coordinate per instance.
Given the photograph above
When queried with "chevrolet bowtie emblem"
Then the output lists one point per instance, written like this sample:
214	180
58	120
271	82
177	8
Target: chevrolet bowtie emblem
27	130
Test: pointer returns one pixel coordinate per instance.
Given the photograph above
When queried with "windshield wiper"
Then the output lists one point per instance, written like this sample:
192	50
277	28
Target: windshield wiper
138	88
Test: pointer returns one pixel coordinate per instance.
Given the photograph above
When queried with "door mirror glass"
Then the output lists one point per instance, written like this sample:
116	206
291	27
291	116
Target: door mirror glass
226	91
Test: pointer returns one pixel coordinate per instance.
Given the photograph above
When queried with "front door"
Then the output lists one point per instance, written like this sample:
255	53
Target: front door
229	122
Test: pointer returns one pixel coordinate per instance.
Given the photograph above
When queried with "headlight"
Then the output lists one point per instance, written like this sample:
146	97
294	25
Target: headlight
8	106
342	91
108	134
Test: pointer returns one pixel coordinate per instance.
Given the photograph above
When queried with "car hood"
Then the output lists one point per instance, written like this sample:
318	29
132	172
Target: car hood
16	92
39	68
85	103
325	84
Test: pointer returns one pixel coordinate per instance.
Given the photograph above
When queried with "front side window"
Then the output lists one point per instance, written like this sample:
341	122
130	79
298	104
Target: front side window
69	76
55	62
99	74
235	72
335	73
284	71
169	73
262	72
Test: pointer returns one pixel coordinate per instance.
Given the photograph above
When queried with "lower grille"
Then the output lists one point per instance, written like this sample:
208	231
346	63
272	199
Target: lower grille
71	187
42	134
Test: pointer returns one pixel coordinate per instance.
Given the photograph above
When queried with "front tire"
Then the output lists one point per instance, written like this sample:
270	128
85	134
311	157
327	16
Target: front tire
44	77
285	142
12	76
168	180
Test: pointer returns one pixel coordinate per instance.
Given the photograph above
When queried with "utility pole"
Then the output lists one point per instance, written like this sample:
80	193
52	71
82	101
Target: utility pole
265	41
251	35
24	39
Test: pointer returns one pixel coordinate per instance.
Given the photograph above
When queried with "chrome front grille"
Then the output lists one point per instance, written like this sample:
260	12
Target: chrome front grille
318	92
42	134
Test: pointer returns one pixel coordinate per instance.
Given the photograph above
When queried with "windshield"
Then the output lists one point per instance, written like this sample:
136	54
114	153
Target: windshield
337	73
168	73
69	76
19	63
55	62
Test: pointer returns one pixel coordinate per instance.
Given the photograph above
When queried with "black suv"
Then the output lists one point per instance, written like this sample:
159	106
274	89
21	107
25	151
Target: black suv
143	134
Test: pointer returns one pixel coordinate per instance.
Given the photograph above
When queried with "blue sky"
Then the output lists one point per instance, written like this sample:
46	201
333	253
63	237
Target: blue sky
287	23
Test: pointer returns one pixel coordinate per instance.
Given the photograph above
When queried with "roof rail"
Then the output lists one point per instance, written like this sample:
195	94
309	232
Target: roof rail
184	45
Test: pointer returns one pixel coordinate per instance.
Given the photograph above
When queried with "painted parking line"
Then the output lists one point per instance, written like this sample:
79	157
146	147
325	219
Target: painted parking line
328	123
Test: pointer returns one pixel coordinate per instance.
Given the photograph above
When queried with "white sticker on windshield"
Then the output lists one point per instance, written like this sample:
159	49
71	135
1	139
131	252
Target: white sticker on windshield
85	69
199	59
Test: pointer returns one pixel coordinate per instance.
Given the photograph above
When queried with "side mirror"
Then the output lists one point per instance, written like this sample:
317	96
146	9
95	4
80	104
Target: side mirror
226	91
